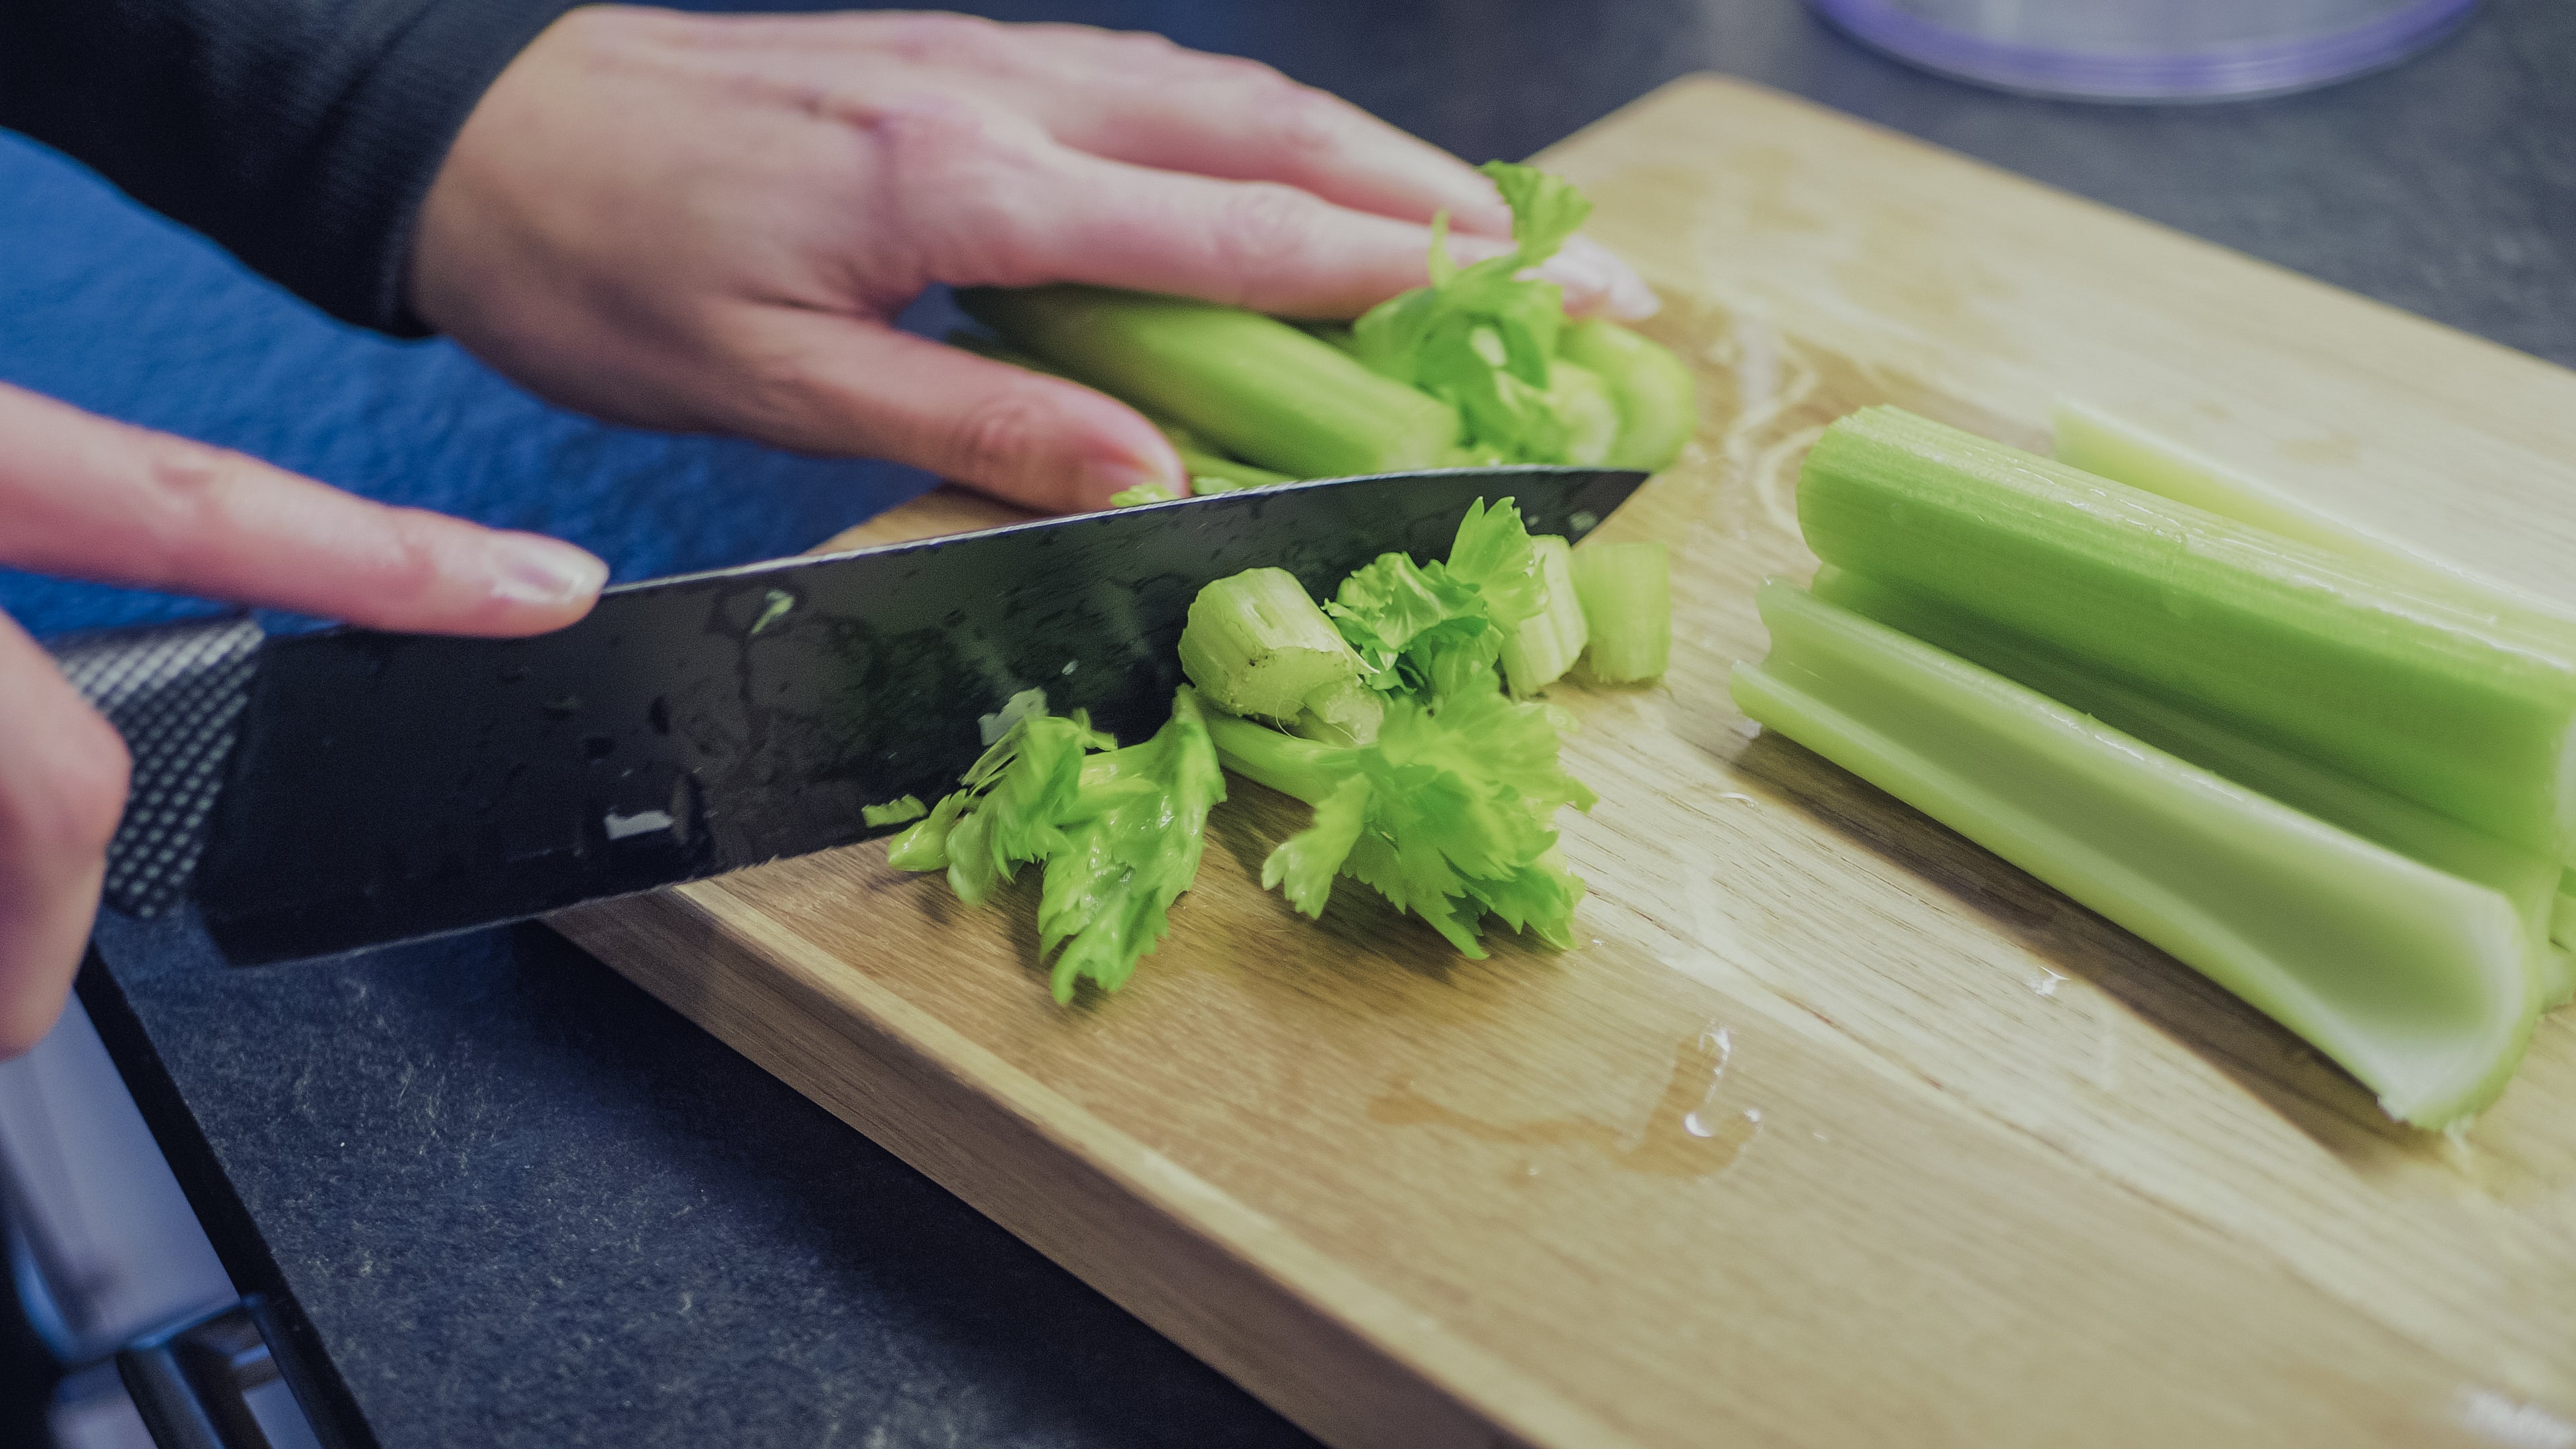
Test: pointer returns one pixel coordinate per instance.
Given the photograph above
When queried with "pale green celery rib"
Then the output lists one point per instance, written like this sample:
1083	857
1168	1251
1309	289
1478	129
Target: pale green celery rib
1627	596
2529	880
1545	646
1658	408
2464	709
1259	388
2416	981
2086	437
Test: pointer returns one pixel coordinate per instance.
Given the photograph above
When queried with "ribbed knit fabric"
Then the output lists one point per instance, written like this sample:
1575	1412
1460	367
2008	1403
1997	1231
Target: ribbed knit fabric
301	134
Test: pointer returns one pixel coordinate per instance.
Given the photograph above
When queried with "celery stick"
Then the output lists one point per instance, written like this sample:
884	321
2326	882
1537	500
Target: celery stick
2527	879
1256	643
2562	917
2416	981
1657	410
1589	412
1260	388
2122	451
1627	596
1545	645
2468	712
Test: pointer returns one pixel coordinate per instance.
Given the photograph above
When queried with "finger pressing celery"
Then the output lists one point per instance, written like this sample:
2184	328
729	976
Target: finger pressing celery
1479	368
1627	597
2460	708
2416	981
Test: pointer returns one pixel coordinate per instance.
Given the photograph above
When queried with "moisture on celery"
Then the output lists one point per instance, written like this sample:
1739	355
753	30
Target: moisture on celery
2466	711
2416	981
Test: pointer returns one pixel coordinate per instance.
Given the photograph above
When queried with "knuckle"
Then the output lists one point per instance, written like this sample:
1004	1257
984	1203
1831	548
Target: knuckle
960	186
1303	121
997	440
1264	228
936	35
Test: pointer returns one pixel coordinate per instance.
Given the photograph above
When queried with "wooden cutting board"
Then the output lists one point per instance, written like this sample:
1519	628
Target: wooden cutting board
1837	1130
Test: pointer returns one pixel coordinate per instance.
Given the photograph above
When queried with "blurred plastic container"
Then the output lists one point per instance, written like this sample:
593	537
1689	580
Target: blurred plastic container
2149	50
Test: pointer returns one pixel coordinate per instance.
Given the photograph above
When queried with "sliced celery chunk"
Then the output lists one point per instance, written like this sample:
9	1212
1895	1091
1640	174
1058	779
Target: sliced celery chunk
2419	983
1627	595
2461	708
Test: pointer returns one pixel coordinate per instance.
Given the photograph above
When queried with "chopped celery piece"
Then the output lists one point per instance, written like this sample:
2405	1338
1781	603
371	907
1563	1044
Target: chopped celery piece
1135	847
2527	879
2417	982
1259	388
1545	646
2562	917
1396	614
1657	408
1257	644
893	812
1627	595
1119	831
1494	552
2093	440
2465	711
1141	493
1446	814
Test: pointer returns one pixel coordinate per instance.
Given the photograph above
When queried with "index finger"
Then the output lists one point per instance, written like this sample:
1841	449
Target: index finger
85	497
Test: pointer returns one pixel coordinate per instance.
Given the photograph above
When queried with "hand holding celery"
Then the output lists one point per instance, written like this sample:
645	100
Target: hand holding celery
1480	367
1385	712
2402	755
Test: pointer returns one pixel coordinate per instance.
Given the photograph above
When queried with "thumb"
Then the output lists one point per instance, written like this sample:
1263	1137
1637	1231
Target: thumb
85	497
856	387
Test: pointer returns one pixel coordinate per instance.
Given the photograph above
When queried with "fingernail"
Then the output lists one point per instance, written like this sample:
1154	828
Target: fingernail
1583	282
527	569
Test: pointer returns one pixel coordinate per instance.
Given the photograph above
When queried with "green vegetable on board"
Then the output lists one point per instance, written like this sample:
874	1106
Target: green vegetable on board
1386	715
2334	783
1626	591
1119	831
2463	707
2418	982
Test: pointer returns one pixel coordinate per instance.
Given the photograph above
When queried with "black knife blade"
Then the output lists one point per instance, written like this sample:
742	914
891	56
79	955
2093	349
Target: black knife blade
353	788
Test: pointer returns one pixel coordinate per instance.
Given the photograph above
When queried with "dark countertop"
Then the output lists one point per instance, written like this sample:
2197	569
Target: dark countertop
522	1203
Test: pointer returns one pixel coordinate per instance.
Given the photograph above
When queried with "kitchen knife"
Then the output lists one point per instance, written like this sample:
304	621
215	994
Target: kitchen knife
322	792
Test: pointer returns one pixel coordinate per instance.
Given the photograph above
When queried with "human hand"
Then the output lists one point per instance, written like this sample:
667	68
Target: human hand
87	498
708	223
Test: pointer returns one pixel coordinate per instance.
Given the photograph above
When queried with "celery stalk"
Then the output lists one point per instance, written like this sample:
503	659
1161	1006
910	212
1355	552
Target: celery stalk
2114	448
2529	880
1657	410
2417	982
1627	596
1545	645
1257	644
2467	711
1260	388
1588	410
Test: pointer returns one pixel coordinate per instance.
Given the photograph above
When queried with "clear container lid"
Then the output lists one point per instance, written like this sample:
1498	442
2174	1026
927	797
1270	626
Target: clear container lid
2149	50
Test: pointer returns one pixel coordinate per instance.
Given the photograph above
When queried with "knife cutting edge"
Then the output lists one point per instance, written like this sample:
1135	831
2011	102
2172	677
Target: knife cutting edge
324	792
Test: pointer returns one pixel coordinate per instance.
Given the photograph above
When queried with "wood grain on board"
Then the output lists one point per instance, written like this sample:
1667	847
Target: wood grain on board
1837	1130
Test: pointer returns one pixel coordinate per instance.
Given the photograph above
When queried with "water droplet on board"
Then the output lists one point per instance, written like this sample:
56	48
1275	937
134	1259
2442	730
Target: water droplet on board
2046	983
